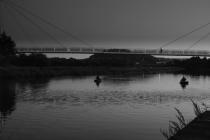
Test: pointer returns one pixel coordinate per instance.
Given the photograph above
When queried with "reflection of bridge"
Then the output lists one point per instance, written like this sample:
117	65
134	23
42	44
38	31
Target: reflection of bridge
115	51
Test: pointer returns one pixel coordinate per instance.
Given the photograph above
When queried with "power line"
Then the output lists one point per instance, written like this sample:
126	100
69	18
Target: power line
198	41
49	23
37	25
17	6
185	35
1	16
26	34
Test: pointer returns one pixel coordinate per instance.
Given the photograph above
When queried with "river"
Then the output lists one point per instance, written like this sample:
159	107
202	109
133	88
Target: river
75	108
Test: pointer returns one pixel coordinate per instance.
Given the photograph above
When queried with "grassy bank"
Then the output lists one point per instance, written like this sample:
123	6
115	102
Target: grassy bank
37	72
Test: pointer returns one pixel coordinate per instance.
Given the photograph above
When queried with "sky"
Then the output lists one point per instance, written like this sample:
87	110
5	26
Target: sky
110	23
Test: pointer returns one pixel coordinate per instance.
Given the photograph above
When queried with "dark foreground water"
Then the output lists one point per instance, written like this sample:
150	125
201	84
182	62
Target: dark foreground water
75	108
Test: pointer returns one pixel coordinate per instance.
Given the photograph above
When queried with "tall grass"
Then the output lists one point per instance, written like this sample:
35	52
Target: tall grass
176	126
198	110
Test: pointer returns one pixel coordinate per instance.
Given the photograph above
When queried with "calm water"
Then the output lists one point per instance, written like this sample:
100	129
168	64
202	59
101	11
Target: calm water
124	108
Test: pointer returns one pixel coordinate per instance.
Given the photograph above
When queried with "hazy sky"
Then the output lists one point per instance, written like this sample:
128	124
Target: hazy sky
113	23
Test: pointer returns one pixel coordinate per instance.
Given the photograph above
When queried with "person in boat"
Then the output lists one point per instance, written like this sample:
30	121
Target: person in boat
97	80
184	80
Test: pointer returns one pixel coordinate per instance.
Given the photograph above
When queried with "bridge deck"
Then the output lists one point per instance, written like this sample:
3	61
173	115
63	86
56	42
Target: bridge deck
115	51
198	129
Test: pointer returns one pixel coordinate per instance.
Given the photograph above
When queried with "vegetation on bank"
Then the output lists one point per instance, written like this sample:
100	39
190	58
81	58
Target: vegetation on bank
176	127
193	65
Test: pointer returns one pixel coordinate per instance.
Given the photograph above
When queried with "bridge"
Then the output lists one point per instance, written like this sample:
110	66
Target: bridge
13	9
162	52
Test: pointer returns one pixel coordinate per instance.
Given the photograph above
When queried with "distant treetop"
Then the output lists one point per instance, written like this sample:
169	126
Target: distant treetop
7	45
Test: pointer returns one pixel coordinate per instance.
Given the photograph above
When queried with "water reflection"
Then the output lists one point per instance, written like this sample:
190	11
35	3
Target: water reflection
150	89
33	84
74	107
32	90
183	85
7	98
97	83
127	79
97	80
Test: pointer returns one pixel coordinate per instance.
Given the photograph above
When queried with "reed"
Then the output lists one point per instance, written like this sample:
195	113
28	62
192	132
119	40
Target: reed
198	110
176	126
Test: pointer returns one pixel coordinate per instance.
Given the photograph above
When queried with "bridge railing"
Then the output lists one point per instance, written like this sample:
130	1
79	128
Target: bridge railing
115	51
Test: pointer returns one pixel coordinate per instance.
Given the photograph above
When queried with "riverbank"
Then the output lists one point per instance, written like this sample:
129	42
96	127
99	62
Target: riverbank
42	72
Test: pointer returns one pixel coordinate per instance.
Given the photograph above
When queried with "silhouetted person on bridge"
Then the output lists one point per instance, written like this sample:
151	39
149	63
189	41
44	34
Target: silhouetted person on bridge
161	50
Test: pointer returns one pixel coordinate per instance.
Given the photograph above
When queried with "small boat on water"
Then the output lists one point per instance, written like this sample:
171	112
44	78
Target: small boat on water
97	80
184	81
